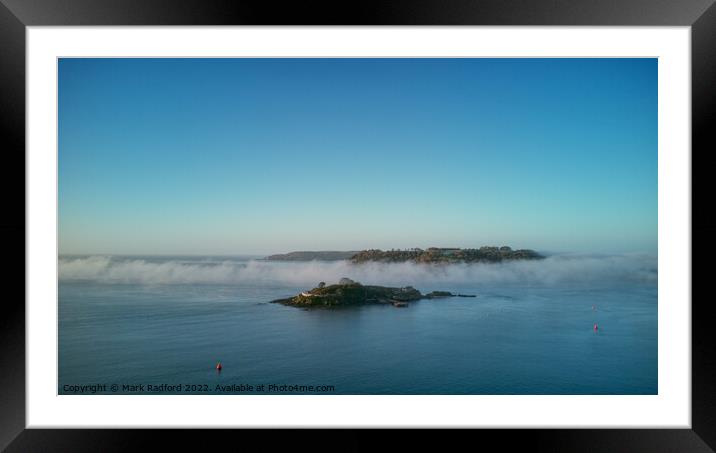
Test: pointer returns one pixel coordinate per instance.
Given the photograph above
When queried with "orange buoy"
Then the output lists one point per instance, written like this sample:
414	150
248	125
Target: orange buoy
218	365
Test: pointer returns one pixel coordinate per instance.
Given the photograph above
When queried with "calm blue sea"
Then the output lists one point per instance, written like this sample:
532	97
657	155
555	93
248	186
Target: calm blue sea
153	321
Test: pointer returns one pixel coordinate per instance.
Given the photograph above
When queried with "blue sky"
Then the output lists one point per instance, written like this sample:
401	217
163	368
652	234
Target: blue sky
254	156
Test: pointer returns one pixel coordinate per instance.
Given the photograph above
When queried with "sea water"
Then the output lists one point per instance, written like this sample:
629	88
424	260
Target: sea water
128	324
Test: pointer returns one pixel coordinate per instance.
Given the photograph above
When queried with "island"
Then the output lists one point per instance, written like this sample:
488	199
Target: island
446	255
351	293
432	255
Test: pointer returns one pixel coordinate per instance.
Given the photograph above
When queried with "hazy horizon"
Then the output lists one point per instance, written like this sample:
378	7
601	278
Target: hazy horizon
267	254
232	157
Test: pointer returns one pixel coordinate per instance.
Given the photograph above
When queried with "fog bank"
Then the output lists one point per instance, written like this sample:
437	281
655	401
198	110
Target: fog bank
552	270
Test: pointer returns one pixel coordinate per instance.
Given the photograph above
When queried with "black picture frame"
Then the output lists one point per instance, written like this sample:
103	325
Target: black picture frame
15	15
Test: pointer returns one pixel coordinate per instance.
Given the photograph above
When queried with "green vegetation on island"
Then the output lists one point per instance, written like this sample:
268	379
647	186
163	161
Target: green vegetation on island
446	255
416	255
350	293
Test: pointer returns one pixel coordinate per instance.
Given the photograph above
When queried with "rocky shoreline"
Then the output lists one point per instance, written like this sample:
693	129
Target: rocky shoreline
351	293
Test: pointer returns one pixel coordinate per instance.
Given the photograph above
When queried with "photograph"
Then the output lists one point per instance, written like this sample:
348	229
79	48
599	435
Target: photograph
475	219
357	226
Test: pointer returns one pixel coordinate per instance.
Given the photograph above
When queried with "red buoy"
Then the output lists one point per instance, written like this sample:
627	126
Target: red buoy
218	365
595	327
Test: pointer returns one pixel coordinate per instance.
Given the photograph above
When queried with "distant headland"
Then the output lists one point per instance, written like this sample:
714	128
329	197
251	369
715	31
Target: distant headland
311	256
488	254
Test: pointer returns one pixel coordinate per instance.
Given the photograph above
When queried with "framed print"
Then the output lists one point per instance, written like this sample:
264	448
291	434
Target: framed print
406	217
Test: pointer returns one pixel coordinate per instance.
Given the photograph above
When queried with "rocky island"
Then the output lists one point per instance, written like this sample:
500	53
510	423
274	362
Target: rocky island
350	293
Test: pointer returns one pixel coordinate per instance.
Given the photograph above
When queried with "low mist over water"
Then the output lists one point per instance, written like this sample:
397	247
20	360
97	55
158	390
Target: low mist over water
552	270
530	330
